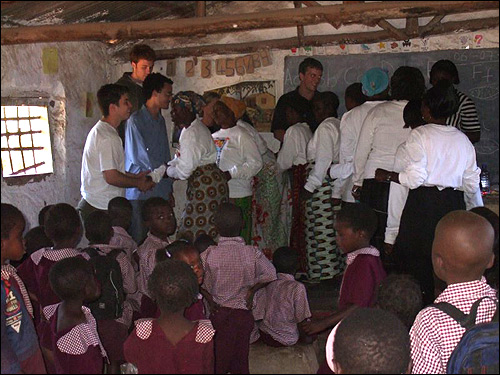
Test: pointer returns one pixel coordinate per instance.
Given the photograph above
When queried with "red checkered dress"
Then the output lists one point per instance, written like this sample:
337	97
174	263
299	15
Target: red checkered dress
435	334
232	268
147	262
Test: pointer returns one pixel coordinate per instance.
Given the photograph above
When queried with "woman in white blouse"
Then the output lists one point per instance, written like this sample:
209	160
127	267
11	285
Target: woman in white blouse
442	166
195	161
240	160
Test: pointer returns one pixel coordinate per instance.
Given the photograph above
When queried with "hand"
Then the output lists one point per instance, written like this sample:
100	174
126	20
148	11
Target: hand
381	175
313	326
145	183
305	195
356	192
388	248
227	175
143	173
249	299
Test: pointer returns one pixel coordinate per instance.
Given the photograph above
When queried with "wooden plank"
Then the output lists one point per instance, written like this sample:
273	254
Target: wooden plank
396	33
201	9
300	28
314	40
364	13
412	27
431	25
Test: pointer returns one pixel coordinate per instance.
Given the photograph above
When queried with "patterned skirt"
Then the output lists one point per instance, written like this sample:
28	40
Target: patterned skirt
324	259
268	232
207	188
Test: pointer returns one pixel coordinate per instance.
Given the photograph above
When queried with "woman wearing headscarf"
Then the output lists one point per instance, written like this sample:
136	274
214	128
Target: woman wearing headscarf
195	161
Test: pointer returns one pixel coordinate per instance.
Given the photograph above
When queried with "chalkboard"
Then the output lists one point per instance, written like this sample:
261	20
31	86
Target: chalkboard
478	71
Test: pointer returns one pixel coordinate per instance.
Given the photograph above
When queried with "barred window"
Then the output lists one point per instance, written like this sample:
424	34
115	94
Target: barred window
26	147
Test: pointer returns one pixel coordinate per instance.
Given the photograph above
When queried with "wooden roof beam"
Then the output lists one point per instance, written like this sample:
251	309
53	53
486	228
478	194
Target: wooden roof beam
430	26
313	40
396	33
201	9
364	13
300	28
412	27
330	20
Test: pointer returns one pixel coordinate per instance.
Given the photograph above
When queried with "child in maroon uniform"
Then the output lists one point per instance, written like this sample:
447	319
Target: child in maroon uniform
69	335
187	253
172	344
355	225
20	350
64	228
120	211
234	271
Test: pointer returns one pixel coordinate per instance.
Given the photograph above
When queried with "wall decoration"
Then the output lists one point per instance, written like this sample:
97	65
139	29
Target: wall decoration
50	60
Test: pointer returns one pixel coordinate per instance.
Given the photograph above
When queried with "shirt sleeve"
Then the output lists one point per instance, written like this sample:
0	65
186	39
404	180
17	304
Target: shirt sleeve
397	200
301	307
252	163
470	179
279	115
265	271
424	346
327	146
288	151
415	173
136	155
345	168
473	200
183	165
469	121
364	147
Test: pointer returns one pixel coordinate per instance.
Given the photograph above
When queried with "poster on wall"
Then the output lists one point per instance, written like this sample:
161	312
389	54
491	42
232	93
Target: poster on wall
259	98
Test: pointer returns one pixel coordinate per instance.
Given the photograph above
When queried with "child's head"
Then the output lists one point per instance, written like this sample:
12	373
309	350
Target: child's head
120	212
292	115
203	241
173	285
185	252
353	96
42	213
412	114
12	223
63	224
444	70
286	260
229	220
325	104
463	247
371	341
98	229
492	273
440	101
355	225
36	239
400	295
159	217
73	279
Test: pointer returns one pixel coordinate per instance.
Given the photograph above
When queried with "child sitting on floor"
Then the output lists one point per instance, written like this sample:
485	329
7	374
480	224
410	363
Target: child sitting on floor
461	252
172	344
286	305
69	336
20	350
120	212
233	273
355	225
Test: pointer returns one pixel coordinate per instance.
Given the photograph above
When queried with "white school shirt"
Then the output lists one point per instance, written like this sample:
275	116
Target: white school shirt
382	132
237	153
440	156
267	155
103	151
196	149
294	149
323	149
350	127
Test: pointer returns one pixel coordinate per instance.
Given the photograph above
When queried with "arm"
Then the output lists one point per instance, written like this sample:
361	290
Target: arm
251	292
136	155
415	173
119	179
211	303
469	120
288	150
252	160
320	325
184	164
397	200
364	147
470	179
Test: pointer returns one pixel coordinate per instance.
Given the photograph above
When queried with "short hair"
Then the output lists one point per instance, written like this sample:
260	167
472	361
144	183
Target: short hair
151	203
354	92
407	83
154	82
412	114
98	228
358	216
172	251
118	205
110	94
229	220
402	296
42	213
10	217
210	96
203	241
142	52
445	66
36	239
442	100
330	100
372	341
173	285
286	260
309	62
69	277
62	222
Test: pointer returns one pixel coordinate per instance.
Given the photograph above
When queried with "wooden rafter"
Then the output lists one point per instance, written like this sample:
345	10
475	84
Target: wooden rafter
300	28
315	40
431	25
201	9
330	20
363	13
412	27
396	33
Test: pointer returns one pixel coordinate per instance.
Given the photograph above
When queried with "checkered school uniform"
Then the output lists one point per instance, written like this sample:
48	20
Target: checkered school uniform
8	272
435	334
147	262
121	239
286	306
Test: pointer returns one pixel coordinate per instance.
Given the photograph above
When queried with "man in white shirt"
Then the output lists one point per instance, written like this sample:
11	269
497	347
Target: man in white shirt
103	173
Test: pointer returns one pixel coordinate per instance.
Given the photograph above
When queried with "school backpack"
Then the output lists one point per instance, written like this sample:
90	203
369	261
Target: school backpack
477	350
109	275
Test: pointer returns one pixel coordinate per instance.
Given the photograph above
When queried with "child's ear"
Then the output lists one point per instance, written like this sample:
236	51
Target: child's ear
491	262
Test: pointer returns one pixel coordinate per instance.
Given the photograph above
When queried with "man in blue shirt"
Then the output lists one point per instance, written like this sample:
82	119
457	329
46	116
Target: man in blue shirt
146	146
